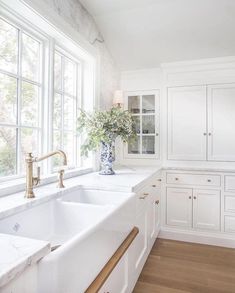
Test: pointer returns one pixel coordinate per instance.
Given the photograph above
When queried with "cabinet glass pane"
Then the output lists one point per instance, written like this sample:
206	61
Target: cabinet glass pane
134	104
134	146
7	151
137	123
148	104
8	99
148	124
148	144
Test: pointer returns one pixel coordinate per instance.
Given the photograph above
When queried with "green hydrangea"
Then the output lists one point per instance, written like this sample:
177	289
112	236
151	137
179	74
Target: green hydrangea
104	126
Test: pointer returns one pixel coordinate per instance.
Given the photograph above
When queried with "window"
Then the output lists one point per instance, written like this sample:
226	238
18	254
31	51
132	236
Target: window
42	85
67	81
20	97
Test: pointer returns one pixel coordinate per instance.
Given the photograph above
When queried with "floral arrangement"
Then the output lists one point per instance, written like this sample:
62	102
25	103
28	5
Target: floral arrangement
104	127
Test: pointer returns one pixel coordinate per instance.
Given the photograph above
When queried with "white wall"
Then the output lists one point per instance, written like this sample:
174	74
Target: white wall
188	73
79	19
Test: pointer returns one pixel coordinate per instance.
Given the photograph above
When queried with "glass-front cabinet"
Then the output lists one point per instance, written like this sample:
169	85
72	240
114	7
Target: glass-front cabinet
144	106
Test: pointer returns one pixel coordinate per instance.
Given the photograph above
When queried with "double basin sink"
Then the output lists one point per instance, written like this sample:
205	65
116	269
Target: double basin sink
84	228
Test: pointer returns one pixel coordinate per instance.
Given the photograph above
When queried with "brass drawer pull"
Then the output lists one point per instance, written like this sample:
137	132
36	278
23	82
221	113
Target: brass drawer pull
159	180
157	202
154	185
143	196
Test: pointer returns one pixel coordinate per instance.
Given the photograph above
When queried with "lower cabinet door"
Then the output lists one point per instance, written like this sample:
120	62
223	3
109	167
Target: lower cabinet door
179	207
139	248
117	282
206	209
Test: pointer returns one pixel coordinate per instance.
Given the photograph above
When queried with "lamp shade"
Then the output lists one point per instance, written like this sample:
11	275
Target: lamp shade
118	97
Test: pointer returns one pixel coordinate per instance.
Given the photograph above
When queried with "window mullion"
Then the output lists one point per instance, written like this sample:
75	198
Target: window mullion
19	101
62	102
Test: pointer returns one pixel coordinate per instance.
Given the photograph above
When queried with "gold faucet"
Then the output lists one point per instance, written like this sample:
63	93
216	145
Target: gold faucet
32	181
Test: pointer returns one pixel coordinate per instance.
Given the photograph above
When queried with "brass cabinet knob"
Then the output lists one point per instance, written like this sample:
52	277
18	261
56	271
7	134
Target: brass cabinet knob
205	133
190	197
157	202
208	180
159	180
194	197
176	179
153	185
209	133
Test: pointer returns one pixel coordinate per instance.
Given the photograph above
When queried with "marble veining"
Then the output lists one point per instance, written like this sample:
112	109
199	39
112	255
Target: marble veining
17	253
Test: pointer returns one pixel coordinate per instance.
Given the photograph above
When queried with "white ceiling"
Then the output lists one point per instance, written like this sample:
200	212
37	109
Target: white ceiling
144	33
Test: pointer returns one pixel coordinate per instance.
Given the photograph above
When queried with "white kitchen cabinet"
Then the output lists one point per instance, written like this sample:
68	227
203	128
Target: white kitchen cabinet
187	124
206	209
179	207
193	208
221	121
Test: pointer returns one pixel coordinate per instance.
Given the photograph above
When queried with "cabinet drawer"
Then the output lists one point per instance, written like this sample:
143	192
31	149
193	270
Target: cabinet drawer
229	203
229	182
193	179
229	224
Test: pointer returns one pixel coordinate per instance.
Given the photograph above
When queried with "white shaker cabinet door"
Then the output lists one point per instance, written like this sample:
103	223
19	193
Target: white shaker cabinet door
206	209
179	207
221	122
187	123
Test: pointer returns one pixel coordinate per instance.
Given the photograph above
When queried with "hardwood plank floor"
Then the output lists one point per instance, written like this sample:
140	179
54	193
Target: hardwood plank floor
180	267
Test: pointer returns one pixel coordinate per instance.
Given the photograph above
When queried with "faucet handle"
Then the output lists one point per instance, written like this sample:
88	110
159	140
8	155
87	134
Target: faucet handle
60	179
36	180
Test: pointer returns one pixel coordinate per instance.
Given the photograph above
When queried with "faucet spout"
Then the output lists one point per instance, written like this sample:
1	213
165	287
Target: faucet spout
57	152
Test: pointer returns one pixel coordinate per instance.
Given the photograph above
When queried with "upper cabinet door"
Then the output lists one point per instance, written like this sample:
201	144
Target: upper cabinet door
187	123
144	107
221	122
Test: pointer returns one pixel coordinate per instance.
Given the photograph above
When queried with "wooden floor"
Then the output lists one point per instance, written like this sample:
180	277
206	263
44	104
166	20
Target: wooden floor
177	267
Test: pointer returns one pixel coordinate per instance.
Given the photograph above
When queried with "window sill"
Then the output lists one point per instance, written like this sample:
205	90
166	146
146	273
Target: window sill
18	185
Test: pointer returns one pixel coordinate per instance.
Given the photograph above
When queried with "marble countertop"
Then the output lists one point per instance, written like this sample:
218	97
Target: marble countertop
17	253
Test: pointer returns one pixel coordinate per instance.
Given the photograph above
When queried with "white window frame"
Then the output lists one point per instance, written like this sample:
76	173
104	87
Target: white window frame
18	126
54	29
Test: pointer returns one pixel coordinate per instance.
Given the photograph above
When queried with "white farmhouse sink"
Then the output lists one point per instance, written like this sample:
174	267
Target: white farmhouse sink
54	221
95	197
87	226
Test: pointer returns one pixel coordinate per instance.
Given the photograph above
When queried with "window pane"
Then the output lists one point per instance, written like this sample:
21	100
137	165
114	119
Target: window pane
29	110
57	111
56	160
7	151
148	145
8	47
69	111
30	58
57	72
8	99
69	148
69	77
29	144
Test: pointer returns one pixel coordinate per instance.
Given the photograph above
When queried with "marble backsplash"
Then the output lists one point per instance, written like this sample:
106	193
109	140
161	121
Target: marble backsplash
78	17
